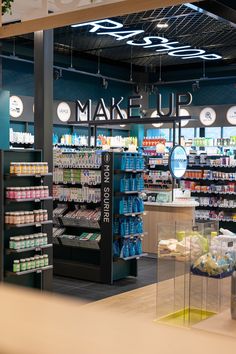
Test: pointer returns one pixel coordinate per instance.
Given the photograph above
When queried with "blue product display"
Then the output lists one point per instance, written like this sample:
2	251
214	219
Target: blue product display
132	250
123	206
116	227
138	246
129	226
116	248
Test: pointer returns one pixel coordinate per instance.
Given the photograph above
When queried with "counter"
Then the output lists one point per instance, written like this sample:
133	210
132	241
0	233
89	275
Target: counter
159	214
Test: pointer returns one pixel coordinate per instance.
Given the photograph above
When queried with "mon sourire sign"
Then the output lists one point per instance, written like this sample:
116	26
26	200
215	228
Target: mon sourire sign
133	107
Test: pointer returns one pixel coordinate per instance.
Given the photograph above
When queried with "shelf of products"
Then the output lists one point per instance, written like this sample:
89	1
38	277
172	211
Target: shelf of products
81	242
19	138
218	142
24	216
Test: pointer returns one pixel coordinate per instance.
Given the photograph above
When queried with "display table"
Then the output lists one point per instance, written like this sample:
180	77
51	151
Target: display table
164	213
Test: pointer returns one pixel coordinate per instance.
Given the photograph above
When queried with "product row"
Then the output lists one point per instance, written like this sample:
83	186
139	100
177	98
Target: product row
80	159
28	241
128	226
117	141
26	217
28	168
159	161
80	217
132	162
202	142
217	215
212	188
70	140
131	205
21	138
86	240
84	194
208	174
204	159
153	141
27	192
73	176
128	184
125	248
156	176
216	202
30	263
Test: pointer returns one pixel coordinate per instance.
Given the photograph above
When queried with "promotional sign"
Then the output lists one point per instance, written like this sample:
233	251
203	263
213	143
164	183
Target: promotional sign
208	116
63	112
107	212
231	115
160	44
16	107
178	162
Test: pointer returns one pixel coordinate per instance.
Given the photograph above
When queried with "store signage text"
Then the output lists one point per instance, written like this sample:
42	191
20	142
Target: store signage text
160	44
84	111
106	172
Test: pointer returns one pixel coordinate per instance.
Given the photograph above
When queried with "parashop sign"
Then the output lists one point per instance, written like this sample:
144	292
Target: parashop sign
160	44
134	105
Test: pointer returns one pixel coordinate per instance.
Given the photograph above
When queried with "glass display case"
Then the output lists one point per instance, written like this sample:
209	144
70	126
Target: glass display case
193	272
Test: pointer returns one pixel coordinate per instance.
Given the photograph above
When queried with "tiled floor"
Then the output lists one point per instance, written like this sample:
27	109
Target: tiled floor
89	291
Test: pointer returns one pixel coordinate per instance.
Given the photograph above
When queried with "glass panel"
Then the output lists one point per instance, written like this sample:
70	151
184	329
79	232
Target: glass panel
213	132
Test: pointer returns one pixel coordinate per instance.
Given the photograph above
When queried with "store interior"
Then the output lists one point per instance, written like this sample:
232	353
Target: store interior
114	213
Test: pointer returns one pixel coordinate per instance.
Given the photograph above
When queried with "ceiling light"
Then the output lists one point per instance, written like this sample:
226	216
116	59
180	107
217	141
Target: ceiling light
162	25
122	125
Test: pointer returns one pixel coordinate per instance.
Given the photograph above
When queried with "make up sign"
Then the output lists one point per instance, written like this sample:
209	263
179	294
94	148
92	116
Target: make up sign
178	162
133	106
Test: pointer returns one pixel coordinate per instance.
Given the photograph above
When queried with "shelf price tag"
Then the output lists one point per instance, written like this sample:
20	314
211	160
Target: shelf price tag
38	225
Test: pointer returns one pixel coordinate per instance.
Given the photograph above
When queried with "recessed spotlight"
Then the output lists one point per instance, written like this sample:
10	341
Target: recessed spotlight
122	125
162	25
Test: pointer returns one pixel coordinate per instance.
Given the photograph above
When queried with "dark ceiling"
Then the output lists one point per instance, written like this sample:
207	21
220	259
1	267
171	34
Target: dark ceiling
185	25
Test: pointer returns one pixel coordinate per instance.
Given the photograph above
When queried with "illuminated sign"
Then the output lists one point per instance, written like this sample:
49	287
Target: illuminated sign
134	105
161	44
178	161
63	112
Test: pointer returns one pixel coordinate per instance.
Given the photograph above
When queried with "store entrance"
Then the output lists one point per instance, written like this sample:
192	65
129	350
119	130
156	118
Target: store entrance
143	152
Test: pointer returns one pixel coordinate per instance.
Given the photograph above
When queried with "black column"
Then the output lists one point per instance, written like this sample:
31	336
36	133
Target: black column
43	95
43	123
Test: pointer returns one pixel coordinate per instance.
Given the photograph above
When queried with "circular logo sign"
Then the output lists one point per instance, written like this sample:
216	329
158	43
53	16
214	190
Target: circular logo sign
16	107
231	115
63	112
178	161
107	158
154	115
208	116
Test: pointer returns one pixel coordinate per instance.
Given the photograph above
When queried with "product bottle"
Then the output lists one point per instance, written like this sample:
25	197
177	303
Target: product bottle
233	296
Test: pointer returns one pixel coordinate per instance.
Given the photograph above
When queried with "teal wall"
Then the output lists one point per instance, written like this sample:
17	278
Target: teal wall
210	93
18	78
5	119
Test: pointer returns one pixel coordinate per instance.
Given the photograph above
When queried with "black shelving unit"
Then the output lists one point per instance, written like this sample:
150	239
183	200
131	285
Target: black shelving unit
99	265
224	222
40	278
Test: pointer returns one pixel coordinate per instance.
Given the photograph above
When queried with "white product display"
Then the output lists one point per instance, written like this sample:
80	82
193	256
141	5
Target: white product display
84	194
21	138
82	159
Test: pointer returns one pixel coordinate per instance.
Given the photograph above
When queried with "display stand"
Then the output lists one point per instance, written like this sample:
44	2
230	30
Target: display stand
40	277
97	262
188	297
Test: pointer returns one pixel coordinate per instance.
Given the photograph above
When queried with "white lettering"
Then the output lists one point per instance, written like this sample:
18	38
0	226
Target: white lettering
148	41
168	46
99	25
120	37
